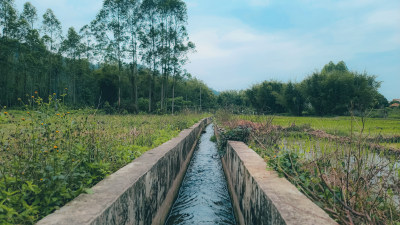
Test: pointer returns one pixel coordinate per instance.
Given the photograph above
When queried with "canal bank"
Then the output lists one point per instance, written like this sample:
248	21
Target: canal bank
143	191
203	196
140	193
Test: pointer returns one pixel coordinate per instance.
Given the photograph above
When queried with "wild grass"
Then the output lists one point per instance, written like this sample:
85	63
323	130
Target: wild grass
345	175
335	125
49	155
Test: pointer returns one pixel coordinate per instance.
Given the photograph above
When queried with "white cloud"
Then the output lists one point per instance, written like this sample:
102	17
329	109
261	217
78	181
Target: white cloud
71	13
233	55
385	18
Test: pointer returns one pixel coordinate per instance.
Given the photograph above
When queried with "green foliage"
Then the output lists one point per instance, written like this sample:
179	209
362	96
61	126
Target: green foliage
236	134
131	56
50	154
336	90
344	173
334	125
213	139
333	91
294	99
267	97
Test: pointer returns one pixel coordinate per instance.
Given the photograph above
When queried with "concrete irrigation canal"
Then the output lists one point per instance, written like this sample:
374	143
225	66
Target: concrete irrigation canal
203	197
164	186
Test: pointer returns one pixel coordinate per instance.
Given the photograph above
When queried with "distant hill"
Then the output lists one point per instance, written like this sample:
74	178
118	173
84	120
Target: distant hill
215	92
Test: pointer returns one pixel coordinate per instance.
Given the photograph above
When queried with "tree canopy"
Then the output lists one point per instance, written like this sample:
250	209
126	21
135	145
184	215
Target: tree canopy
335	90
132	56
133	49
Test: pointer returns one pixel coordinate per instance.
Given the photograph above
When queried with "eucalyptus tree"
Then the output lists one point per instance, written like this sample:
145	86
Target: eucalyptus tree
35	64
28	34
8	18
29	14
21	74
23	29
71	46
164	49
99	32
86	35
133	28
150	39
180	41
113	17
51	28
8	27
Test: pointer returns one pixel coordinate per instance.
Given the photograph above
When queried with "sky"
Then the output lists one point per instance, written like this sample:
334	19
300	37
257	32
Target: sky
240	43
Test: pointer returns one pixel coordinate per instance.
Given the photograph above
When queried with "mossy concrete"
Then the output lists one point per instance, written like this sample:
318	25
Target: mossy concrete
140	193
260	196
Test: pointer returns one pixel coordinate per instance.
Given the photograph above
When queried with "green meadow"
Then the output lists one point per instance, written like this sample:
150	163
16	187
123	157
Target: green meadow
50	154
343	164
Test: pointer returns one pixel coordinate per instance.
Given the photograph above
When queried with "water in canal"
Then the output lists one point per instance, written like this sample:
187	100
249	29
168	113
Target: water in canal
203	196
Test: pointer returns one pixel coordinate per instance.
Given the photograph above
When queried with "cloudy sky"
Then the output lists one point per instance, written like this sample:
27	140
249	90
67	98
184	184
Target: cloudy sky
243	42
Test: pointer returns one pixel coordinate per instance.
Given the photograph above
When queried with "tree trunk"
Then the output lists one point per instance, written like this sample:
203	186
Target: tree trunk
173	97
150	76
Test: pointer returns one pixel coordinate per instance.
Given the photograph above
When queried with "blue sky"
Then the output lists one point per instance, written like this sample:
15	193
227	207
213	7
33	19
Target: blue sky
243	42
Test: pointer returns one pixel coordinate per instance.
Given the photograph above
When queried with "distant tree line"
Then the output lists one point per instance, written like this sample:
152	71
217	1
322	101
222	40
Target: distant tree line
333	91
129	57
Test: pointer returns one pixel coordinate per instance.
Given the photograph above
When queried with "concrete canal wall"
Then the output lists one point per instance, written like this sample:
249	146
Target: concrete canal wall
140	193
259	196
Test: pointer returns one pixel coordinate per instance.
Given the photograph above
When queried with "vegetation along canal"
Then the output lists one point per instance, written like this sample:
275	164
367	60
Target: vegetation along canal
203	196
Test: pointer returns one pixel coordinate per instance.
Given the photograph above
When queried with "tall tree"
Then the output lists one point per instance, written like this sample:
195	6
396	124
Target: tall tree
113	15
293	99
8	18
133	25
149	37
8	30
71	46
86	34
164	48
180	41
335	89
29	14
51	28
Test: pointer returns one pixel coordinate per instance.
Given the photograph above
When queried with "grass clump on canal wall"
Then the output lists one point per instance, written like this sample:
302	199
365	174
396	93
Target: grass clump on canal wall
346	175
49	155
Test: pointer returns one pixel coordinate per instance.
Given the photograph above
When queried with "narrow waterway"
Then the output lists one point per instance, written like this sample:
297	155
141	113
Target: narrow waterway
203	196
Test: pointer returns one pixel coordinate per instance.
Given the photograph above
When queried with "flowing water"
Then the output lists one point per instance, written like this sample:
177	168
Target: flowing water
203	196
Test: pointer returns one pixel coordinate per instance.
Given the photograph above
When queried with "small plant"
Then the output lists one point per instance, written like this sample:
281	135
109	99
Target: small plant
352	176
50	154
213	139
237	134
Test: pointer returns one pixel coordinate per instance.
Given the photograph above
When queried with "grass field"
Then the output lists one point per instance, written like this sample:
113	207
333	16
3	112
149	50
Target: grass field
48	156
335	125
354	178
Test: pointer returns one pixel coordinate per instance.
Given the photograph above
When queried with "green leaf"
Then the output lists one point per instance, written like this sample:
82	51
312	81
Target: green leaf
89	191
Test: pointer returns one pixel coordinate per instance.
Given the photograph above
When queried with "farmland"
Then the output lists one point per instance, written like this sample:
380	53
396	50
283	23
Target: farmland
340	125
50	156
349	166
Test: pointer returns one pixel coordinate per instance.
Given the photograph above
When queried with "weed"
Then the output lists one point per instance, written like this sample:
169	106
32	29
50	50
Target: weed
50	154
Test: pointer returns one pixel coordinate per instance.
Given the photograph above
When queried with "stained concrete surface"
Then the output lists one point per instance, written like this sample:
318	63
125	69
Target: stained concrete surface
139	193
260	196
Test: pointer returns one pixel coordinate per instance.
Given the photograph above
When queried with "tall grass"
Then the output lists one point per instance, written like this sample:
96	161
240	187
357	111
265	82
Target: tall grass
49	155
335	125
344	175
